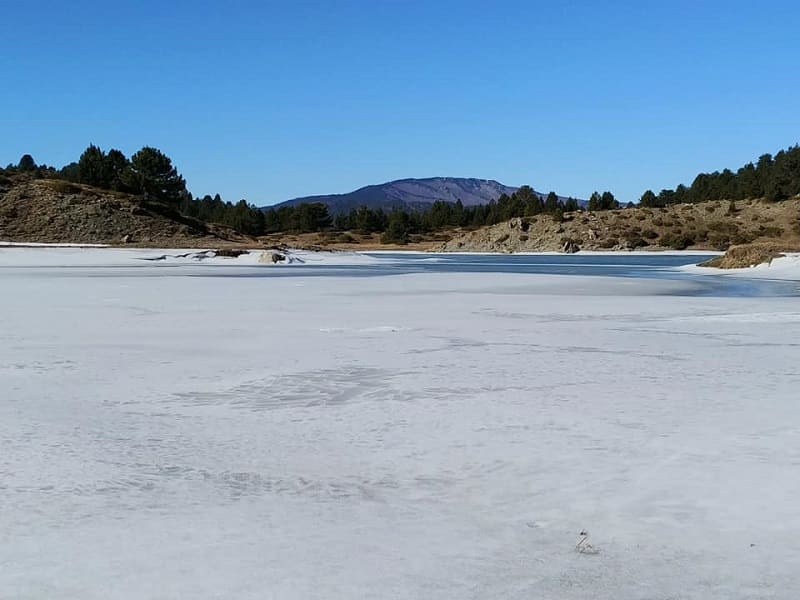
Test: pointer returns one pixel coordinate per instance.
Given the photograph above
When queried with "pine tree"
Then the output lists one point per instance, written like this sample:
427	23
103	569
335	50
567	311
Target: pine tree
92	167
26	163
608	202
151	174
648	199
116	164
551	204
398	228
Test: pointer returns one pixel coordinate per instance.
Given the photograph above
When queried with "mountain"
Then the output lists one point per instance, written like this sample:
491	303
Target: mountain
410	194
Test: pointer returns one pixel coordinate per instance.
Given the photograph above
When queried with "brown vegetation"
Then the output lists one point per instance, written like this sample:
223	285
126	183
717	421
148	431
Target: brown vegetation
704	226
56	211
50	210
748	255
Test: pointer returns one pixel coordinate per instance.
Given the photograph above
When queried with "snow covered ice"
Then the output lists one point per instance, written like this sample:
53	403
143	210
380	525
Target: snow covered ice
167	431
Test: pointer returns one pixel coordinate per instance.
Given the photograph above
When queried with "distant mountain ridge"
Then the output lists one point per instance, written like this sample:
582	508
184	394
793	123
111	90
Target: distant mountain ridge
411	194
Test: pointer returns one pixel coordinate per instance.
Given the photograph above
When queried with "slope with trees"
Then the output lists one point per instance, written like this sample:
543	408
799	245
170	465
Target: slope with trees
773	178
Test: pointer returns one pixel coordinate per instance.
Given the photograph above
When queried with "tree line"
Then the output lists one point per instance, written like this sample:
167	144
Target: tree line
150	174
775	178
398	225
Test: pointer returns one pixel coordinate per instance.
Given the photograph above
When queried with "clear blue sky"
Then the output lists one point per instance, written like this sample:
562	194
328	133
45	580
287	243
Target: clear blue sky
271	100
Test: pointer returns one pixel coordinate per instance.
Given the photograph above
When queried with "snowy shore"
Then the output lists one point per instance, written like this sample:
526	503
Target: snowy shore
441	435
784	268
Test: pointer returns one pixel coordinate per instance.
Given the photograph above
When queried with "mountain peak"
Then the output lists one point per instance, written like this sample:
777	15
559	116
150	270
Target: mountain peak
411	194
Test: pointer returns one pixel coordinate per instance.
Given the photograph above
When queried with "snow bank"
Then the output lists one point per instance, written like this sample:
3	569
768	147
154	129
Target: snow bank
96	256
49	245
785	268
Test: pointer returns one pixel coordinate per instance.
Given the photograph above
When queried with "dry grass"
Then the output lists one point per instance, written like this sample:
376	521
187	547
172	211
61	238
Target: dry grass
63	187
747	255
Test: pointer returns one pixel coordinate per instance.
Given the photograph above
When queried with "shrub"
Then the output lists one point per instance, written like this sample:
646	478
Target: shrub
389	237
635	241
719	241
770	231
743	237
724	227
649	234
676	241
63	187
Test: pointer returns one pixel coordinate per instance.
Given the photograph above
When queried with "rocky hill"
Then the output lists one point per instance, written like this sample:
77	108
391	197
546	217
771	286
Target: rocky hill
706	225
56	211
411	194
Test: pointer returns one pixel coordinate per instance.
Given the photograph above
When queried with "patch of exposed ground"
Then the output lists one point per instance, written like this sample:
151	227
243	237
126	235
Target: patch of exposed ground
703	226
56	211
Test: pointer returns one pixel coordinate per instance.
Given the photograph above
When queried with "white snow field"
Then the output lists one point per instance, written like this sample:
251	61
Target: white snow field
168	433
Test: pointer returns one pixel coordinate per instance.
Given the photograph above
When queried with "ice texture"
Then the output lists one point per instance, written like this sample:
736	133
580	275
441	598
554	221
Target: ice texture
430	436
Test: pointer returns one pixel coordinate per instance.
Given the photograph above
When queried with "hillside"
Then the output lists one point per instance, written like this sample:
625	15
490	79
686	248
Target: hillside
410	194
56	211
706	225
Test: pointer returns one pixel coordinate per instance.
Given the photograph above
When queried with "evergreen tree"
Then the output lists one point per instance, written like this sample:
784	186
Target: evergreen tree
608	202
70	172
26	163
397	229
116	165
551	204
92	167
648	199
151	174
665	198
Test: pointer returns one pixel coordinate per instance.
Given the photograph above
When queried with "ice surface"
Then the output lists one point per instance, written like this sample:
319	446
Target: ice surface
416	436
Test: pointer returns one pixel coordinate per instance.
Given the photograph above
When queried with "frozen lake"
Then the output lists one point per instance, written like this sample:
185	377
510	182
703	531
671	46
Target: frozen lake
439	429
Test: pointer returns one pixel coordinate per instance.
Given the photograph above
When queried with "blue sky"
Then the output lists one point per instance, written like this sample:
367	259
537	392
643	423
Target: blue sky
271	100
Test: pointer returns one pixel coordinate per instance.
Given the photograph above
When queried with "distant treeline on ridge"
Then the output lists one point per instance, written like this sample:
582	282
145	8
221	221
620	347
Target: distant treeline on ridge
774	178
150	174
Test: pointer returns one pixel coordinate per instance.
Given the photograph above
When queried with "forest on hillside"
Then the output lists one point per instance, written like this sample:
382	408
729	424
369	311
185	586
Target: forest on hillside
774	178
